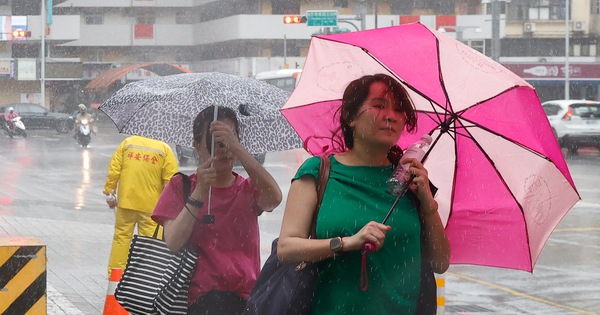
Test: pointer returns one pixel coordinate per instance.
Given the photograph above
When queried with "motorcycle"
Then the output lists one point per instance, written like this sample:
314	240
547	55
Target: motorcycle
16	128
83	136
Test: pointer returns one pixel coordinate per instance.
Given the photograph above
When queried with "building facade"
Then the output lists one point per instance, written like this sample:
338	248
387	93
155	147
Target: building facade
82	39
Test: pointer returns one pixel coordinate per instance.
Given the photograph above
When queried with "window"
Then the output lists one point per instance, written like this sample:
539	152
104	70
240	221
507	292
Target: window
584	110
97	55
183	17
35	109
552	109
478	45
145	19
576	50
547	10
146	56
340	3
94	19
285	7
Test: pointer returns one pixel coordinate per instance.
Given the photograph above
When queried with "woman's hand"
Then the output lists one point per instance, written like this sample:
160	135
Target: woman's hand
373	232
225	137
420	183
206	177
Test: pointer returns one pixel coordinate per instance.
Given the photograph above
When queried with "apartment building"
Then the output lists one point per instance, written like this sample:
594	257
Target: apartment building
84	39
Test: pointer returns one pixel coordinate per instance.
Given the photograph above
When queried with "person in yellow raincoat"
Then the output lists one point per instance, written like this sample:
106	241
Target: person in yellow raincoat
141	167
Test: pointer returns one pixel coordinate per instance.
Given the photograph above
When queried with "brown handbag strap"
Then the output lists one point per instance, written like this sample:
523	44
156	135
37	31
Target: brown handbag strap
324	170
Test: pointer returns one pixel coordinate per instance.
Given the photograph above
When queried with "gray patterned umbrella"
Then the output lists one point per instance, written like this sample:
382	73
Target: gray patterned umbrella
164	108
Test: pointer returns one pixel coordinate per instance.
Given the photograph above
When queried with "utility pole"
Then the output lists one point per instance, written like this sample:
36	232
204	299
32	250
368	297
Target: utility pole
285	65
375	12
360	8
567	52
496	30
43	55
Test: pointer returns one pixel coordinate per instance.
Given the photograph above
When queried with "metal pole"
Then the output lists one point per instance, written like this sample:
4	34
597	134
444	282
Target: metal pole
43	56
285	52
496	30
567	34
375	12
363	25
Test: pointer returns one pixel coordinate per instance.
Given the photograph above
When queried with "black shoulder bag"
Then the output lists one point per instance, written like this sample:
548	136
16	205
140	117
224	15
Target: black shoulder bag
288	288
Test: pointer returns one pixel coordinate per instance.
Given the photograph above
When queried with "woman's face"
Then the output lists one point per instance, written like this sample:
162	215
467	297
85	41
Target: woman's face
380	120
224	159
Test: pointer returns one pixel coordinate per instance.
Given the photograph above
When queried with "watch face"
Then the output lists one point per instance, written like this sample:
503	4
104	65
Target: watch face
335	244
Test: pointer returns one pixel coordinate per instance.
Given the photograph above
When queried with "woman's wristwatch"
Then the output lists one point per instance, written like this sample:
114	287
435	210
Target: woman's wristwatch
336	245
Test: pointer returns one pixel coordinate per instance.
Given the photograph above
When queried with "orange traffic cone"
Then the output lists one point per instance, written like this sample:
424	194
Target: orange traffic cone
111	306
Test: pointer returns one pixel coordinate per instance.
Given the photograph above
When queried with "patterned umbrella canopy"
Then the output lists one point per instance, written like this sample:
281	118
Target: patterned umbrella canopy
164	108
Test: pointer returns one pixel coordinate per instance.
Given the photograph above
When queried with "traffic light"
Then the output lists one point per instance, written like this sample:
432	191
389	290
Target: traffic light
21	34
294	19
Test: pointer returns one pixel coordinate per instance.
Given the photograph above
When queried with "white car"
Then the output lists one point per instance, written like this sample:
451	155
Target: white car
575	123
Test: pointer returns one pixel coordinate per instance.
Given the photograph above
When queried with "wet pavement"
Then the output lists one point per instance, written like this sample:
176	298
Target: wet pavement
52	190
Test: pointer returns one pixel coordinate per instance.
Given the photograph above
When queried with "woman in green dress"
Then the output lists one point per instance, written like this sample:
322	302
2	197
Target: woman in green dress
375	111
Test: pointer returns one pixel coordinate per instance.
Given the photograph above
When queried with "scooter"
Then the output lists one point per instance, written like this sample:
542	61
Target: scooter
16	128
84	137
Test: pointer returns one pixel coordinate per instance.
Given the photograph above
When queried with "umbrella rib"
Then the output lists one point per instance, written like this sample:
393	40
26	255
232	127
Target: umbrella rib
504	182
477	125
412	88
489	98
495	168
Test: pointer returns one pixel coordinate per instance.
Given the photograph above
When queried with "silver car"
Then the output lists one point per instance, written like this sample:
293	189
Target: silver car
576	123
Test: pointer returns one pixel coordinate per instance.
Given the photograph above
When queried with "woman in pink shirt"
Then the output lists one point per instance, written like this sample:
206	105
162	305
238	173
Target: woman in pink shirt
229	251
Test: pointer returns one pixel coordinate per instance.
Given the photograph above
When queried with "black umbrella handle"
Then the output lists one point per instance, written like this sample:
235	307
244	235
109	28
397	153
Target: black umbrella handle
403	191
369	247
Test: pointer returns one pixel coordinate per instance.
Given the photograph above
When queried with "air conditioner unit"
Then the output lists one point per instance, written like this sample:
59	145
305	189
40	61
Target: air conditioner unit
578	26
528	27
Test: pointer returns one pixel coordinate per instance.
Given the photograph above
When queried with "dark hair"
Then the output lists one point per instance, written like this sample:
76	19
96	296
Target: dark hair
206	116
355	95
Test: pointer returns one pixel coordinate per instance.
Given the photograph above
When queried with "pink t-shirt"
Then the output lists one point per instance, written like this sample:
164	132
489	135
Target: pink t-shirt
230	248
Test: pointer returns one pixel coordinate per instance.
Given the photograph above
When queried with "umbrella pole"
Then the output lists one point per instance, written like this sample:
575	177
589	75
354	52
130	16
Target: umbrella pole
208	218
404	188
402	192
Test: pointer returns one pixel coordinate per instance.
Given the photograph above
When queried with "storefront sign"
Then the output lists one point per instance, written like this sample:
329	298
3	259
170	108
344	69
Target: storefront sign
6	69
27	69
549	71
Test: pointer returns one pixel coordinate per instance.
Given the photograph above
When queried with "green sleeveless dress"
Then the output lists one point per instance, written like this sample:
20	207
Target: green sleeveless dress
354	196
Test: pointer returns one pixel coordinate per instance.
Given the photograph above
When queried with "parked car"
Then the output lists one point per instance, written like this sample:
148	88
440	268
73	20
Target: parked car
575	123
36	116
189	154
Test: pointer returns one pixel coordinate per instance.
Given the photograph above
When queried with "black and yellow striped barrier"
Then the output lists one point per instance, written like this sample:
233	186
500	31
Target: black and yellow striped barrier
22	276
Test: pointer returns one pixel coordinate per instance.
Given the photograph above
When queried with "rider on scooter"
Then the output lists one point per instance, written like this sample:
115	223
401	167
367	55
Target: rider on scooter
9	117
83	114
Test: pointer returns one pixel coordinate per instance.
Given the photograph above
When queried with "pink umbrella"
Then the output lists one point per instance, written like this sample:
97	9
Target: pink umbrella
503	181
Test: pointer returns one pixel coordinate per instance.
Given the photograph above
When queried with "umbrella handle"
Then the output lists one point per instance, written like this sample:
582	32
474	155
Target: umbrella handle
368	247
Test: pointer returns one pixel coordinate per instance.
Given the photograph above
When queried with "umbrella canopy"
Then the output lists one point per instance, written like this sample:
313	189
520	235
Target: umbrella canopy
503	182
164	108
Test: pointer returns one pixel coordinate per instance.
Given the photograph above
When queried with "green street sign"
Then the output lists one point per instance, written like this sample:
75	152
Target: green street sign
321	17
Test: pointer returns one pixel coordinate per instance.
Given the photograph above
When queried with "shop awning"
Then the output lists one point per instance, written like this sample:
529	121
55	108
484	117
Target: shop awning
103	81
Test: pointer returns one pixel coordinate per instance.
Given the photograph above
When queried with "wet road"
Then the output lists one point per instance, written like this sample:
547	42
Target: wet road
52	189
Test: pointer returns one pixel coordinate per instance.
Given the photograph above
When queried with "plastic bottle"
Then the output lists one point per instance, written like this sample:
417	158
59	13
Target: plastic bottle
400	179
111	199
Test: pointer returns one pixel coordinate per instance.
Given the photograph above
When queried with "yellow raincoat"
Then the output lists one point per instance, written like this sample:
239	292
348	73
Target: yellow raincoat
137	155
142	167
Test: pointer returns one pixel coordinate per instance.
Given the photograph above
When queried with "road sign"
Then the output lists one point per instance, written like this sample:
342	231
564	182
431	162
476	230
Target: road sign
321	17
